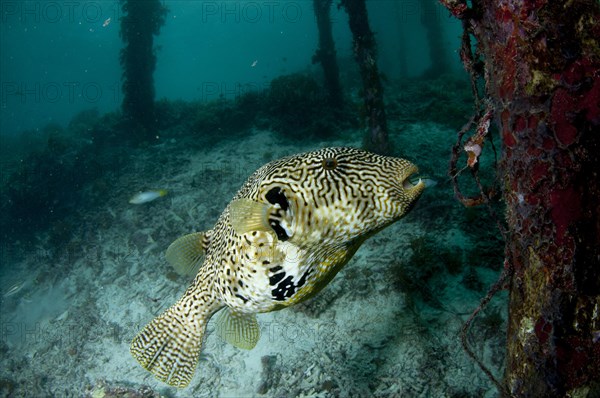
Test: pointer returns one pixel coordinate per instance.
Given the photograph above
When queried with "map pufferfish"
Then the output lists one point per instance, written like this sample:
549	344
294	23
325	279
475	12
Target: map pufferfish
287	232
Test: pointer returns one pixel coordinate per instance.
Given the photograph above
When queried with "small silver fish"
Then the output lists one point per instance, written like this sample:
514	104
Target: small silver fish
14	289
287	232
148	196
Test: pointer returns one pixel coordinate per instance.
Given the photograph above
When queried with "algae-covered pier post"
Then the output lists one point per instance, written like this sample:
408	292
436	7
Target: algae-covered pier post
141	21
542	73
376	138
431	21
326	54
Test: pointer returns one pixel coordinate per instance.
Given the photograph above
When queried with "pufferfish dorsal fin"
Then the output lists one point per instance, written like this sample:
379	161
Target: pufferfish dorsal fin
246	215
240	330
186	253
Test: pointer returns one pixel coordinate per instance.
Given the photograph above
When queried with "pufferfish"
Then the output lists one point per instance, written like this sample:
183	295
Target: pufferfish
287	232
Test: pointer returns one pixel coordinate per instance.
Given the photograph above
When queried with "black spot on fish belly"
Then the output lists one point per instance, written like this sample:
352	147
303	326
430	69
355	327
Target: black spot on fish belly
273	280
284	290
276	195
281	235
244	299
302	280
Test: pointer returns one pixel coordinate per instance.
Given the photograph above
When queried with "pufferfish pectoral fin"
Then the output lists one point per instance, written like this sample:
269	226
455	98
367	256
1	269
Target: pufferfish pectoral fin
186	253
240	330
246	215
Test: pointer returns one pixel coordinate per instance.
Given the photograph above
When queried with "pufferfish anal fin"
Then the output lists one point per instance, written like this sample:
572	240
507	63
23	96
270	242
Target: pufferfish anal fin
240	330
186	254
247	215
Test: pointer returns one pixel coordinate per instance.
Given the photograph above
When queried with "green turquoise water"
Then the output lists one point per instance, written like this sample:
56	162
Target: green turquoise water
82	269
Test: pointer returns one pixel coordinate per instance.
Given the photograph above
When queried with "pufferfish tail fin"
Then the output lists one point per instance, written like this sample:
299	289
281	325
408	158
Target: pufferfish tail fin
170	345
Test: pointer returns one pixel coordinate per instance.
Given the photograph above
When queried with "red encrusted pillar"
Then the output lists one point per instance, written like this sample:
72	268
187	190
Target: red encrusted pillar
542	61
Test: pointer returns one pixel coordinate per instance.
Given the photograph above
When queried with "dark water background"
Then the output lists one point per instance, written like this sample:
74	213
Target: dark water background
81	269
57	59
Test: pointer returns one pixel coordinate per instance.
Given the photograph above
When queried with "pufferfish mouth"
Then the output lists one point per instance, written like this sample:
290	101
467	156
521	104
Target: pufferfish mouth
412	183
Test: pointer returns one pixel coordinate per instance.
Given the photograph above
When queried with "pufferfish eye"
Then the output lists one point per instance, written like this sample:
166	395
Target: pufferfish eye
329	163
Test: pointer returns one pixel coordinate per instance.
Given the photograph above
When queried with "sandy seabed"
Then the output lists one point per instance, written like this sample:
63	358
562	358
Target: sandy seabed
66	330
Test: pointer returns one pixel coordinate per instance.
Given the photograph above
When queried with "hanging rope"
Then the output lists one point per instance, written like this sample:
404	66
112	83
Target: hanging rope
473	147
